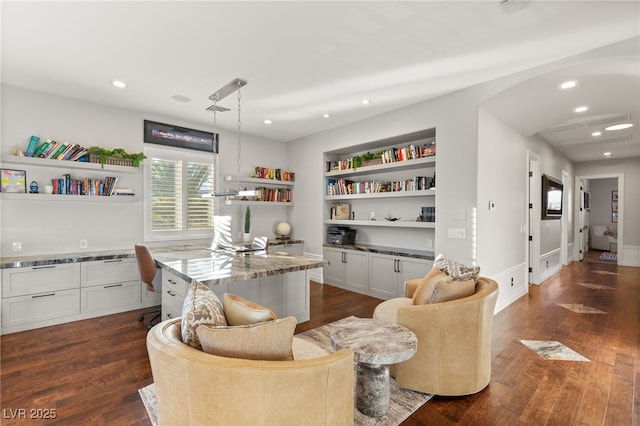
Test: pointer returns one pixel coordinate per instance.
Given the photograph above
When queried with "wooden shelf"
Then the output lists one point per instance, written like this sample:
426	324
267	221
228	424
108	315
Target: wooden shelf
64	164
383	223
397	194
378	168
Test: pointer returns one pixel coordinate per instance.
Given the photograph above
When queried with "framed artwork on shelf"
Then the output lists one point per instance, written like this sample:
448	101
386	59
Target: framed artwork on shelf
14	181
614	195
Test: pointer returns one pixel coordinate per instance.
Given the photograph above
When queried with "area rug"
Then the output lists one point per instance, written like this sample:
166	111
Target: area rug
607	255
402	402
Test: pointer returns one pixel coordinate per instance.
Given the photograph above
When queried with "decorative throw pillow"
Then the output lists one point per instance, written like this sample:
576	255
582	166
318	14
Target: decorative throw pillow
270	340
240	311
201	306
423	293
456	270
452	289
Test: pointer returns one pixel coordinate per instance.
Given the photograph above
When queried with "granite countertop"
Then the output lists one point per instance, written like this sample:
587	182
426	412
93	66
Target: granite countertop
392	251
213	267
86	256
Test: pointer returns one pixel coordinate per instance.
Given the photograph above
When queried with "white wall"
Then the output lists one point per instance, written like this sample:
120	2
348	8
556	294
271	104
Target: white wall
58	227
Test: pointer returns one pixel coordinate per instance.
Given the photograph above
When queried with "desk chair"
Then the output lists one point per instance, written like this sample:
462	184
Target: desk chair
151	275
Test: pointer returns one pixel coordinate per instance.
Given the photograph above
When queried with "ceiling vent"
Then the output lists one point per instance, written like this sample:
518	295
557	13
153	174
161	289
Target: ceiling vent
586	123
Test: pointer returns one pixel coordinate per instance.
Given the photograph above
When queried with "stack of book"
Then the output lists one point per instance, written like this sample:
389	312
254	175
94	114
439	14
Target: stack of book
66	185
348	187
54	150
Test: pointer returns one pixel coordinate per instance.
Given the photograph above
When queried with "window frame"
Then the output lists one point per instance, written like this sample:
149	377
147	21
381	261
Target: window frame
185	156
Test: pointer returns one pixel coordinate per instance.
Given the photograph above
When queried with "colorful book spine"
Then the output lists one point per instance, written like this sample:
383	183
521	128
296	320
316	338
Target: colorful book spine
32	145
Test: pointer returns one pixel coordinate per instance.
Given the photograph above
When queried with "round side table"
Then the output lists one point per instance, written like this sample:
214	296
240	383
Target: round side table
376	344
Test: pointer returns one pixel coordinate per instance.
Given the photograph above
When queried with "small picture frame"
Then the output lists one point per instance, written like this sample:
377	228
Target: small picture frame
13	181
614	195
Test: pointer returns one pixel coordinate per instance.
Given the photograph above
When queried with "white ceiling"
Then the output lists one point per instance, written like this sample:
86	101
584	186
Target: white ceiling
303	59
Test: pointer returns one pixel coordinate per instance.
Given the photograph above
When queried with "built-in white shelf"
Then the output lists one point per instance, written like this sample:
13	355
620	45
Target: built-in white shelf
70	198
383	223
260	181
65	164
396	194
257	203
417	163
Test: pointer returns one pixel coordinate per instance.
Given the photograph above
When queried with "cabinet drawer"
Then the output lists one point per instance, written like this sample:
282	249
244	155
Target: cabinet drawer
174	283
109	271
40	307
40	279
111	296
170	314
172	300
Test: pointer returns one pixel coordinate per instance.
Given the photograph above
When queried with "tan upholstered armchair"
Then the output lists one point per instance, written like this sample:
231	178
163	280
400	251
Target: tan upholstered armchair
454	340
196	388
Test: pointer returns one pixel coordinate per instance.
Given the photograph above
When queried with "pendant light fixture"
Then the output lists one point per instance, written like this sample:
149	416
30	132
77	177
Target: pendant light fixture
233	86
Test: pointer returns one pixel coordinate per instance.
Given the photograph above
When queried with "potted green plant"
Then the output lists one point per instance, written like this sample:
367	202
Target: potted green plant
116	156
247	224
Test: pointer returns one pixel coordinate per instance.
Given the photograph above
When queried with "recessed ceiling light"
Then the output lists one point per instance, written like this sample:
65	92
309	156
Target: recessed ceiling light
607	154
581	109
120	84
181	98
325	115
621	126
268	121
366	101
568	84
596	133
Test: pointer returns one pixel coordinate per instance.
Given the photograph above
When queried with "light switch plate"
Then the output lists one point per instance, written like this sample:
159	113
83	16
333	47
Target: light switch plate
460	233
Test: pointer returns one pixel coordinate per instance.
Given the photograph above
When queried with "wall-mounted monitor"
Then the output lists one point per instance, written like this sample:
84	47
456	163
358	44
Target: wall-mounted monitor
180	137
551	198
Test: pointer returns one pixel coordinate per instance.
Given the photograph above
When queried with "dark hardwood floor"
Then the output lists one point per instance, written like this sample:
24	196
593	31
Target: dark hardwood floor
89	371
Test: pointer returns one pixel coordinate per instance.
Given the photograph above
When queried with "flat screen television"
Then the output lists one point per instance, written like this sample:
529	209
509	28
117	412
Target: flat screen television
180	137
552	190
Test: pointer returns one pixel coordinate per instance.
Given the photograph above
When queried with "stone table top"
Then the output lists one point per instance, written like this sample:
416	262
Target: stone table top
374	341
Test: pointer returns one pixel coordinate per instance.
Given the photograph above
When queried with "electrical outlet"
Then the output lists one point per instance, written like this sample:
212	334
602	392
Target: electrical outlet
16	247
460	233
84	244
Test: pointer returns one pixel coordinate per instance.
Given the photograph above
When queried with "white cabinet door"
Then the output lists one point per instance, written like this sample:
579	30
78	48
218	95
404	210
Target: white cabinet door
356	272
411	269
113	297
249	289
40	307
296	295
40	279
383	272
333	271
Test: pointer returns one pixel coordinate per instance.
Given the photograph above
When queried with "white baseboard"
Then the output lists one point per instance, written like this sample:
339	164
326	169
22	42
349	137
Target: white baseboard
513	284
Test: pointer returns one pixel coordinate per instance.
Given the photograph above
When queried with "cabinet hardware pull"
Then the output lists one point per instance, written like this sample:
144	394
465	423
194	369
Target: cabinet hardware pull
44	267
113	285
113	261
169	316
170	281
43	295
171	293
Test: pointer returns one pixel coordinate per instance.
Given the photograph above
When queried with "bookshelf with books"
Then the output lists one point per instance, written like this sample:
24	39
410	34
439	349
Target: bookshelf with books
73	179
385	191
399	185
274	187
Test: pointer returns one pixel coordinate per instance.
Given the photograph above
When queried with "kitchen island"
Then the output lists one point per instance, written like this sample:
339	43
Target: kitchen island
274	279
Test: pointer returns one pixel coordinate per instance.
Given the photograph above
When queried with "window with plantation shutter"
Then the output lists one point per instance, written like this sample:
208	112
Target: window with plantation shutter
175	186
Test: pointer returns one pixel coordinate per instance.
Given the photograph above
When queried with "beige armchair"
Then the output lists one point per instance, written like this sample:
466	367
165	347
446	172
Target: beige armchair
454	340
196	388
